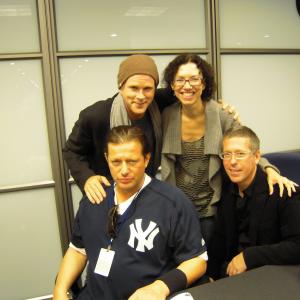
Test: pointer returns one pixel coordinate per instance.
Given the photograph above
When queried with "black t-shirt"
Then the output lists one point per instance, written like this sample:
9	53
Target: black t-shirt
242	210
146	126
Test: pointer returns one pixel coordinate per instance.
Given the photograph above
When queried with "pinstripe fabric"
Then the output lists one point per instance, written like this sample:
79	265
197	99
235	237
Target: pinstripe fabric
192	175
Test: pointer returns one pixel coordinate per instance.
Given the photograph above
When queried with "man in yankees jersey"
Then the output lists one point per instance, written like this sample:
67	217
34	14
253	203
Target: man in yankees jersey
143	241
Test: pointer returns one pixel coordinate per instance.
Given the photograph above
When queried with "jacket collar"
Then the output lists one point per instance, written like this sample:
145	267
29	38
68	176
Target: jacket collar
259	198
172	135
213	130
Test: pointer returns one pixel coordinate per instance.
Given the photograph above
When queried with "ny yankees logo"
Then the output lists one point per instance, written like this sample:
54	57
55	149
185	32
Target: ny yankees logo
136	232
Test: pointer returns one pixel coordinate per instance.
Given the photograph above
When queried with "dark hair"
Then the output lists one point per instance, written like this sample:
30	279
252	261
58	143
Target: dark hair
245	132
126	133
203	66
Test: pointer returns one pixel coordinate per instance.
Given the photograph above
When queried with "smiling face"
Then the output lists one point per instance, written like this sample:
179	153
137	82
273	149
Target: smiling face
240	171
138	93
127	166
188	84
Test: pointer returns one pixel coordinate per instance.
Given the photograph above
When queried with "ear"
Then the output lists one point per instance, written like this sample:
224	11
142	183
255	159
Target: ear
203	84
105	154
172	86
257	156
147	159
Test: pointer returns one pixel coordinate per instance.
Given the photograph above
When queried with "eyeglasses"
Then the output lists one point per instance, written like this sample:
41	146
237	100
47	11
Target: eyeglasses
112	221
236	155
193	81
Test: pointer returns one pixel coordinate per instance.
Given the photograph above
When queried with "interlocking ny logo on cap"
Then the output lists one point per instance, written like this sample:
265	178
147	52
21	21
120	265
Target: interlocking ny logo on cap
144	238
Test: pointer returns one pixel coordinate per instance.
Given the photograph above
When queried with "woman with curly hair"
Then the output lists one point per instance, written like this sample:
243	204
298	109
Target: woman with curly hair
192	137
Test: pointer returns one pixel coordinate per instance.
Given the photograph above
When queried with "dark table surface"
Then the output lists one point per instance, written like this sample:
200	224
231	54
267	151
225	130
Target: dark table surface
267	283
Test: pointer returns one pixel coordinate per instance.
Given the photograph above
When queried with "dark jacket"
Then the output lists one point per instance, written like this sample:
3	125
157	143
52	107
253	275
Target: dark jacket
274	229
84	149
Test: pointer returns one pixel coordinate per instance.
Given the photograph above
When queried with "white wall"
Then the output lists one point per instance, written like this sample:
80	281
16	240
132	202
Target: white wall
265	91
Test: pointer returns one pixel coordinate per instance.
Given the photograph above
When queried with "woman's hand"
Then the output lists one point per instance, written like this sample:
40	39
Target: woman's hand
283	182
230	109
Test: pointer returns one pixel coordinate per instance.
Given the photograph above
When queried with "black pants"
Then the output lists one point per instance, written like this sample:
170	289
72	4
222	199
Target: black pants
207	228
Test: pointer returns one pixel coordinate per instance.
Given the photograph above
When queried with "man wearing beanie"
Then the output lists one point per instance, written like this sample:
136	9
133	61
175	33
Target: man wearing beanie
132	105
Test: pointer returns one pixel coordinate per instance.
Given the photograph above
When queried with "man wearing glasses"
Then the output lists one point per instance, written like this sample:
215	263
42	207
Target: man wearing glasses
143	241
253	227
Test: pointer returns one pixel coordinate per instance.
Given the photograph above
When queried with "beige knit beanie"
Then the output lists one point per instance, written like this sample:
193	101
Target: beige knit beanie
137	64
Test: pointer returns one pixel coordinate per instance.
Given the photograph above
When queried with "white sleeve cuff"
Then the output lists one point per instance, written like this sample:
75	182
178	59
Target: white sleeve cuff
81	250
204	256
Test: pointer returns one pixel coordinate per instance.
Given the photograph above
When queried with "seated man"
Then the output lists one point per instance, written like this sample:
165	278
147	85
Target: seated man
143	241
253	228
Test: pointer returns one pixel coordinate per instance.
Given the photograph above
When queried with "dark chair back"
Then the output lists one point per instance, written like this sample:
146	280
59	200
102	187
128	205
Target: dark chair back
287	162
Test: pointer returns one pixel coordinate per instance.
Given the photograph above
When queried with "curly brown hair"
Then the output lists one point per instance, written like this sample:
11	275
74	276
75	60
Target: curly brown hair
204	67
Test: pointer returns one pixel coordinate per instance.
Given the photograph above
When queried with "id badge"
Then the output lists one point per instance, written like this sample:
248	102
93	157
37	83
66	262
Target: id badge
104	262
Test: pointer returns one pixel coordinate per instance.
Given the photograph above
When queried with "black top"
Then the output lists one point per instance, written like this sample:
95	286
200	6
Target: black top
146	126
242	207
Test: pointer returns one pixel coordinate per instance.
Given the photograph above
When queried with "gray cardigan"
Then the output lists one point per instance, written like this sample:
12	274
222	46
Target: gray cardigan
217	121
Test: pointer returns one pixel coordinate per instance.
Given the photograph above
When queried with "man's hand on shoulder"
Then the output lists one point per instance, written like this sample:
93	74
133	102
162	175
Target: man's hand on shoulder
237	265
94	189
157	290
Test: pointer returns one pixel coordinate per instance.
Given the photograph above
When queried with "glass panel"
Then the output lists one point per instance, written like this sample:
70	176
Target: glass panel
265	91
25	154
19	26
31	251
134	24
86	80
259	24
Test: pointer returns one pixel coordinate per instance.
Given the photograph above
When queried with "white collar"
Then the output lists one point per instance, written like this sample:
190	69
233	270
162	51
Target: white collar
125	204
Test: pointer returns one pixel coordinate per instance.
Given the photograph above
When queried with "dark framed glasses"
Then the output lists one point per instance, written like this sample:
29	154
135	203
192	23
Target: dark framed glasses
193	81
112	221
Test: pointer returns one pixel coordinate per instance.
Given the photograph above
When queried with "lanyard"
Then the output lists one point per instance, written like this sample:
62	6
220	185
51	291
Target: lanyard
125	216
